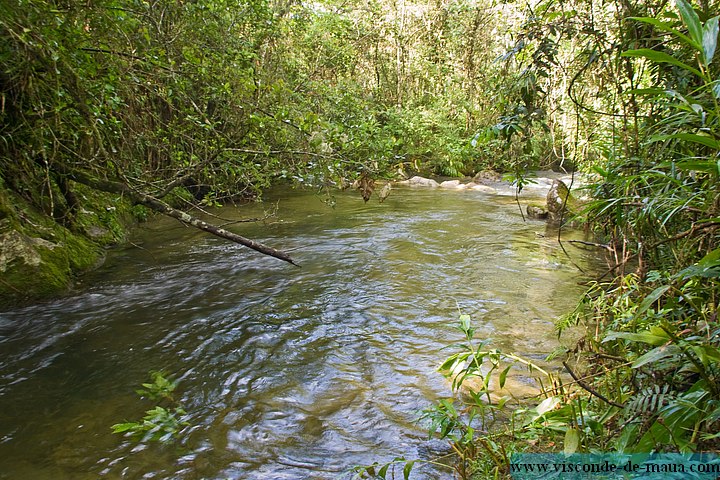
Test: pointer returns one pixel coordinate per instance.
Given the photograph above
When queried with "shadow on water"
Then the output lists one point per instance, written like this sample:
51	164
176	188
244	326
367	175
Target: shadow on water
285	372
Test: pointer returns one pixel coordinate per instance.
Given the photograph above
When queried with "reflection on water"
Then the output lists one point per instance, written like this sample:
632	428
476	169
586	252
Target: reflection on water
286	373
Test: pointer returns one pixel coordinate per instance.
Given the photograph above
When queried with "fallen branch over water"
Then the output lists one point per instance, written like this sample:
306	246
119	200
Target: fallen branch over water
156	204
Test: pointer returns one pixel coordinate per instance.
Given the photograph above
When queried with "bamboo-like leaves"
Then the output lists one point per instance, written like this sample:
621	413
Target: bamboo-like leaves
655	336
707	267
710	39
689	137
666	27
691	20
703	38
661	57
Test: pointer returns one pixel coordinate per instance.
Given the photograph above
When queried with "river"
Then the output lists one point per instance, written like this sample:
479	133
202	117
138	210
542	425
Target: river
285	372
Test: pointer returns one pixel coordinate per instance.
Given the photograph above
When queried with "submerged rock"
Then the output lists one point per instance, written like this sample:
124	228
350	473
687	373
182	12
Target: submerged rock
483	188
537	212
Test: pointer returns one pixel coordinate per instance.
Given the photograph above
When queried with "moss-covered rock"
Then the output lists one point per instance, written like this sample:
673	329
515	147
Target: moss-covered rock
32	266
561	204
538	212
41	257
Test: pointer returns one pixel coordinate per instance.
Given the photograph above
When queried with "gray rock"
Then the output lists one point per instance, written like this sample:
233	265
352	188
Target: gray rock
15	247
560	202
455	184
423	182
96	233
487	177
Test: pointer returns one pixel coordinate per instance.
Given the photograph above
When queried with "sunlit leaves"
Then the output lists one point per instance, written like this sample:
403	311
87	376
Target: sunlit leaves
710	39
691	20
159	423
660	57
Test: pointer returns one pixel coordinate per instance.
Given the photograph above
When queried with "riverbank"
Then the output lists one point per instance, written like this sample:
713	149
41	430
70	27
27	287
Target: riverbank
42	253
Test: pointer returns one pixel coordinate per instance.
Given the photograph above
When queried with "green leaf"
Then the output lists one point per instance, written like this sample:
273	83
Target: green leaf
660	57
689	137
656	354
666	27
707	166
503	376
647	91
655	336
707	354
408	469
707	267
572	440
124	427
709	39
691	20
652	298
547	405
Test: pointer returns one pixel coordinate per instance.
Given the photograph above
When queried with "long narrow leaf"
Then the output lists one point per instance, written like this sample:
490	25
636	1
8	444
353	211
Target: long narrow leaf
689	137
658	353
691	20
647	91
710	38
666	27
707	267
654	336
707	166
652	298
660	57
408	469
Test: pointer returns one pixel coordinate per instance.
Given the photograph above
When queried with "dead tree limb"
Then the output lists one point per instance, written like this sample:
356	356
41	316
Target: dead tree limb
158	205
589	389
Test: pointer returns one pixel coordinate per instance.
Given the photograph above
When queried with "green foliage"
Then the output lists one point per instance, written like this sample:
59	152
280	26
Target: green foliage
378	471
160	387
159	423
467	420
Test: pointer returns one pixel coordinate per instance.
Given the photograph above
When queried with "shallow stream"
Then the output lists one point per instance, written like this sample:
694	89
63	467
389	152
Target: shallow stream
286	373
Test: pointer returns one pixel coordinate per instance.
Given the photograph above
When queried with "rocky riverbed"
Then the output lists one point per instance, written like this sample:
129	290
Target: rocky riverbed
544	197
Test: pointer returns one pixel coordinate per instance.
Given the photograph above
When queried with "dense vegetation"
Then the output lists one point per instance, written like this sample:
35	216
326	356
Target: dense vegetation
169	104
643	81
166	104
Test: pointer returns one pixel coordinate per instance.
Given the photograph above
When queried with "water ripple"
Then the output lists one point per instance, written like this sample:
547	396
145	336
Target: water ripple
285	373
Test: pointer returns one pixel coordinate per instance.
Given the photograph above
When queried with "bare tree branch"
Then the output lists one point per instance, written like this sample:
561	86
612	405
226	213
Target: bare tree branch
158	205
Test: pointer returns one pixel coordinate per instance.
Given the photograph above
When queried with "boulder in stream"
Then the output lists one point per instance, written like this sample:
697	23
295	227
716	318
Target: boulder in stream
453	184
560	202
421	182
537	212
487	177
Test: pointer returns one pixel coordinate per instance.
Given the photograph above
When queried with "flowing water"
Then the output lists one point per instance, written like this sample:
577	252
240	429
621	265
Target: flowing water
285	372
